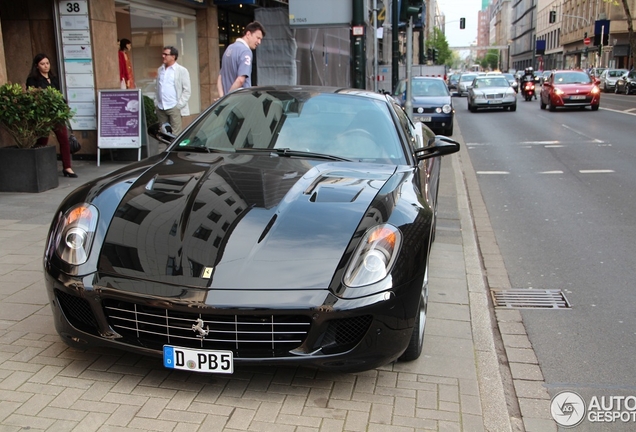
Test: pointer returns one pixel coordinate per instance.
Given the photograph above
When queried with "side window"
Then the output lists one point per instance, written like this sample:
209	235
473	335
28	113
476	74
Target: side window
408	126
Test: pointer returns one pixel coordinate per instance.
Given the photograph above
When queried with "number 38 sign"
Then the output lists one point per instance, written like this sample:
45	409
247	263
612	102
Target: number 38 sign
78	7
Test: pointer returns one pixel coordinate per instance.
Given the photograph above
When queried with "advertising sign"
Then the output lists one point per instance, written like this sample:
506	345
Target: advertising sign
119	120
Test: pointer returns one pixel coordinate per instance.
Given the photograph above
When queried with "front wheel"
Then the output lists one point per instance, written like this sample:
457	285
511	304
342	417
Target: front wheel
595	107
414	349
513	108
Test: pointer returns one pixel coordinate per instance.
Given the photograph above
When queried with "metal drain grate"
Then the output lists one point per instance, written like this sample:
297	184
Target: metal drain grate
530	299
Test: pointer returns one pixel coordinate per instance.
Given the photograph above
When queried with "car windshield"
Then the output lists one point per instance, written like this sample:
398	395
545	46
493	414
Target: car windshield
491	82
572	78
344	126
464	78
430	87
509	77
615	73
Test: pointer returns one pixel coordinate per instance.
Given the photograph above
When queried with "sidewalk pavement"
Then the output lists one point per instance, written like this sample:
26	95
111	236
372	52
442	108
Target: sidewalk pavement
477	372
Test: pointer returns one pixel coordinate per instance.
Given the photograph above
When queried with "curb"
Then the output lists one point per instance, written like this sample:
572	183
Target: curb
520	401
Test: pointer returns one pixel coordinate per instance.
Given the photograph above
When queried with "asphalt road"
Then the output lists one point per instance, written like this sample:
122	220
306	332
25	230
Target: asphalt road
559	189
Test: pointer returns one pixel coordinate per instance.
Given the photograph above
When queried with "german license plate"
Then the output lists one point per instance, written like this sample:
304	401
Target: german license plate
494	101
579	97
422	119
198	360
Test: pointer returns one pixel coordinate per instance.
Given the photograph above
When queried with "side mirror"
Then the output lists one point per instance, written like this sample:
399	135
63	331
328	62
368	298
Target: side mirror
597	81
440	147
161	132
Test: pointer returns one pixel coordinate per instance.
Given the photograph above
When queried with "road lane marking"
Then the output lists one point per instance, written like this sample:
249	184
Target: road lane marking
552	172
540	142
554	146
493	172
582	134
600	171
621	111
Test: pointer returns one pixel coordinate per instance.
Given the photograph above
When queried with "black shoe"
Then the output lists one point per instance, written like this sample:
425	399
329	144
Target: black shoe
69	174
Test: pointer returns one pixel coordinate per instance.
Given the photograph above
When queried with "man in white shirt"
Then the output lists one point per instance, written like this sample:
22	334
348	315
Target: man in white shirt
173	90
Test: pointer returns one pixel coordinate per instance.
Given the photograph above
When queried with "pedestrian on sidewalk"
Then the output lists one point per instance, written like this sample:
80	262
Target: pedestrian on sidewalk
41	76
236	67
173	90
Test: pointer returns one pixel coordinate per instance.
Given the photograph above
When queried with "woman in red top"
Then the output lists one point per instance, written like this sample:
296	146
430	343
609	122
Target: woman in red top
125	64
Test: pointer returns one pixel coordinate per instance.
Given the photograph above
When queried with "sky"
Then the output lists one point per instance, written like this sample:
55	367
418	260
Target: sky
454	10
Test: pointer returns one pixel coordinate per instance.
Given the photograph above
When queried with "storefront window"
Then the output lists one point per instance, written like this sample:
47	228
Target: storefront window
150	27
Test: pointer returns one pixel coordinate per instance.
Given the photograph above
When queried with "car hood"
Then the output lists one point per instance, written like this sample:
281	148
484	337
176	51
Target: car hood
575	88
240	221
491	90
431	101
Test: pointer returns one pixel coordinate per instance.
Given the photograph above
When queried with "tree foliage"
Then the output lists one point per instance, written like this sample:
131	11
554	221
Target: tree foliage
437	39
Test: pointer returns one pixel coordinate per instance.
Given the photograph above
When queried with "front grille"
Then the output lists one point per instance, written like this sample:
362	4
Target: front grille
495	96
424	110
77	311
248	336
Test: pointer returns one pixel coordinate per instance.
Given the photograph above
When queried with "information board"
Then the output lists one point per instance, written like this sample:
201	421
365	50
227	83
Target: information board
119	120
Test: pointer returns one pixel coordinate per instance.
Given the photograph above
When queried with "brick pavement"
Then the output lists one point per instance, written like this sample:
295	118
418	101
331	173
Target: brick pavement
456	385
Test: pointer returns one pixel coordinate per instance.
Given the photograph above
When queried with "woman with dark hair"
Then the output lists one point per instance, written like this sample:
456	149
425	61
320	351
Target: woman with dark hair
42	77
126	76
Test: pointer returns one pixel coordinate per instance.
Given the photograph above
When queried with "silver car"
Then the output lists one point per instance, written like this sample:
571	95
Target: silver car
492	91
464	83
608	79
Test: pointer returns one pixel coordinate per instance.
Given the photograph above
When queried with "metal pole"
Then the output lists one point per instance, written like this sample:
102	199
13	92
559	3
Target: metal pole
375	45
408	104
395	62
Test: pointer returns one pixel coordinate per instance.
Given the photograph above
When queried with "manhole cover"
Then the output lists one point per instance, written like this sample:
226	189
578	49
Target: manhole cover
530	299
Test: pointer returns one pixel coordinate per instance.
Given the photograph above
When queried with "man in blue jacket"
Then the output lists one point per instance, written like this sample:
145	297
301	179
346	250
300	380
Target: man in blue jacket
173	90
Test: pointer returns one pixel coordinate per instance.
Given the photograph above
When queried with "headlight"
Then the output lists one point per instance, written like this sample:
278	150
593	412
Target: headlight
558	91
447	109
479	96
438	110
374	257
75	232
595	90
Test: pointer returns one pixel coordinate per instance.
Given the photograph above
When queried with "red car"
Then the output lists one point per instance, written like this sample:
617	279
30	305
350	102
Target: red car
570	88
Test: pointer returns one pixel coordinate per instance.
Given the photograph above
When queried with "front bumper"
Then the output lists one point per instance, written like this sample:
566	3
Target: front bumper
297	327
437	122
567	100
494	102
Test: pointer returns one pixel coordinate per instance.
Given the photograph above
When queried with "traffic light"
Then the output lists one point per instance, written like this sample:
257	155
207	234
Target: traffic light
429	54
435	54
552	17
410	8
462	23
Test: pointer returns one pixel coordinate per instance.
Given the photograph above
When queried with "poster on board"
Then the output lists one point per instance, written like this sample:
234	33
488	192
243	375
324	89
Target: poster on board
119	120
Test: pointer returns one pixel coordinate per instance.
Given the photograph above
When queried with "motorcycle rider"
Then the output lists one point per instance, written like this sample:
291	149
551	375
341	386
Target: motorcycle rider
528	76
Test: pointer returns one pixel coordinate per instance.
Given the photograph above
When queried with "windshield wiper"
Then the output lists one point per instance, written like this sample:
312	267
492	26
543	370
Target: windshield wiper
287	152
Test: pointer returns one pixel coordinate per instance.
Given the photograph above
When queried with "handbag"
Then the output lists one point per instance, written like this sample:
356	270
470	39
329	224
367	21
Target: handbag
73	143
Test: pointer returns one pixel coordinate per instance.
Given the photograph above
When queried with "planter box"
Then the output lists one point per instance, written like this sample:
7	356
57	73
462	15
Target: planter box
28	170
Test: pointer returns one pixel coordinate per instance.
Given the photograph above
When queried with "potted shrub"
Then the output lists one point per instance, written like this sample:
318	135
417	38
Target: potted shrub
28	115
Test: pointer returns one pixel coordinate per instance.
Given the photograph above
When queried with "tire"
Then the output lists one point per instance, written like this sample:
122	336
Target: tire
595	107
414	349
448	131
550	106
513	107
541	104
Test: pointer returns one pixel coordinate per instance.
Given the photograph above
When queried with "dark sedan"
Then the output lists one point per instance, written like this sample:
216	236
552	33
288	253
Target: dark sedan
286	225
626	84
432	103
570	88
